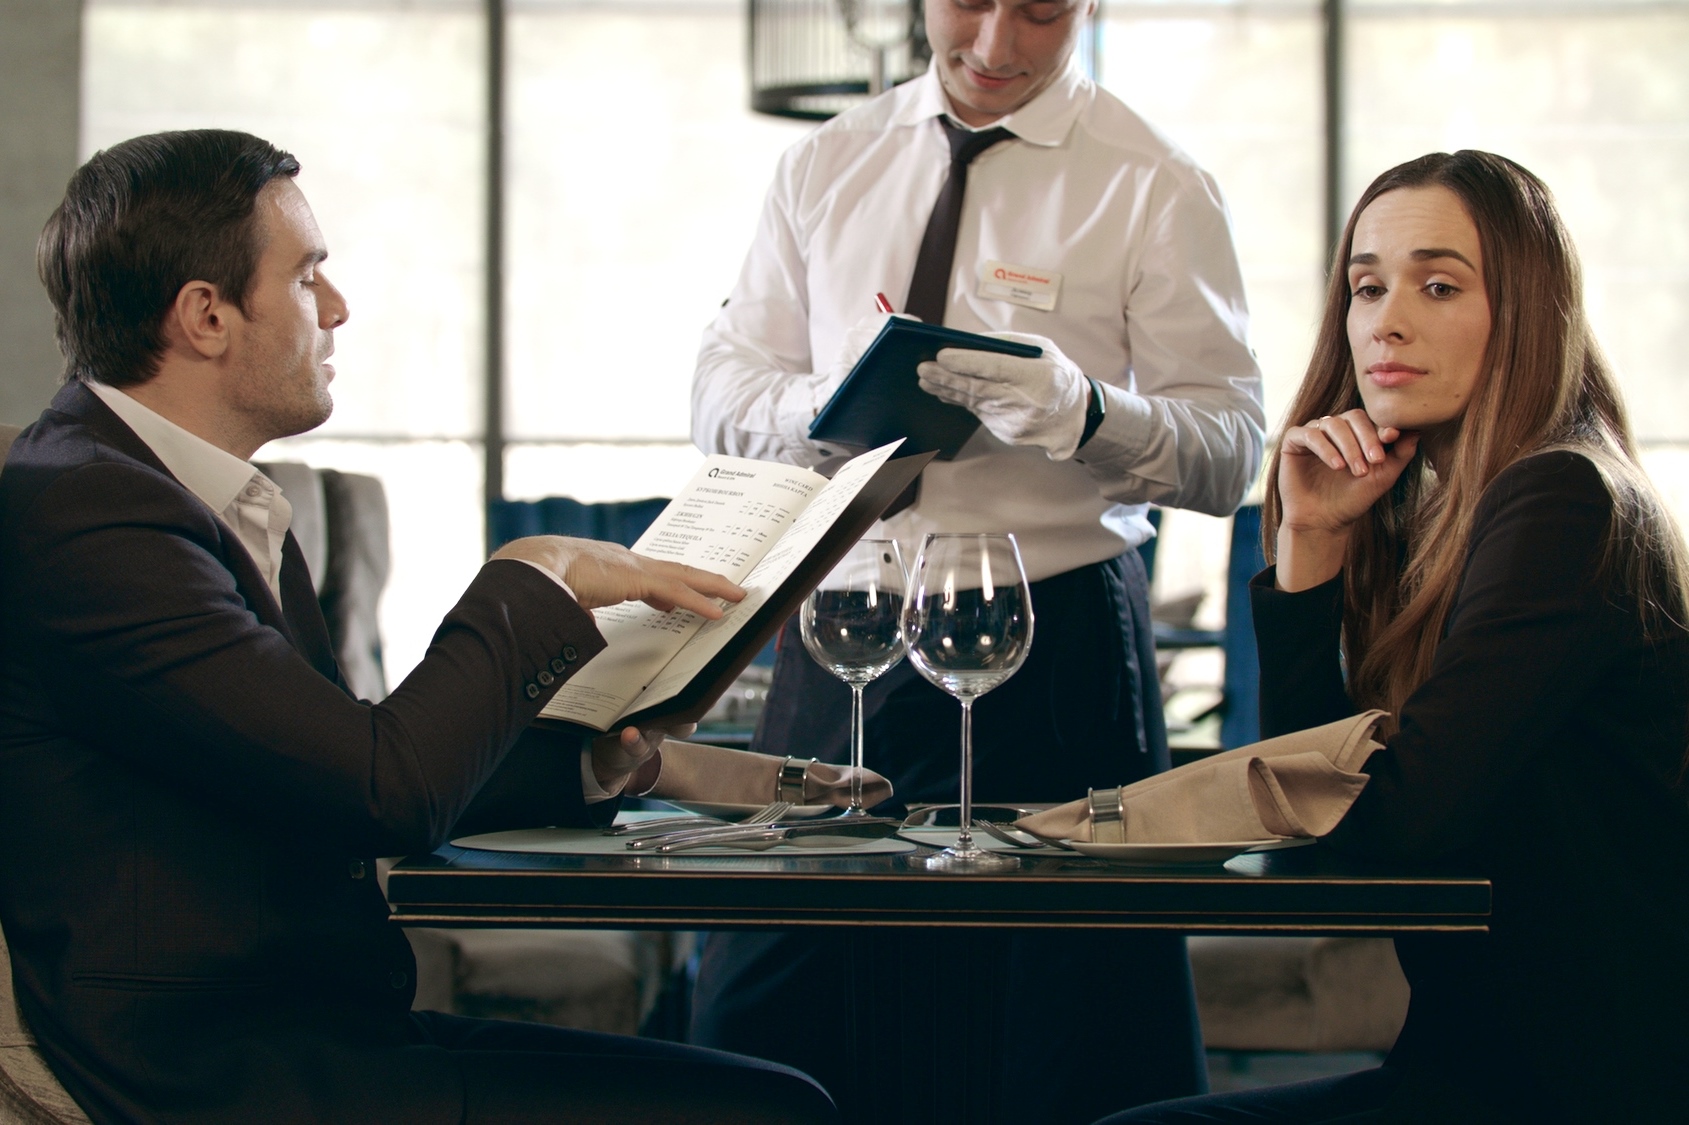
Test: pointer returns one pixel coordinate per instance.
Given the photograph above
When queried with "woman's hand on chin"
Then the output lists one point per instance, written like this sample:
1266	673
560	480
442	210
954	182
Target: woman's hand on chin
1331	471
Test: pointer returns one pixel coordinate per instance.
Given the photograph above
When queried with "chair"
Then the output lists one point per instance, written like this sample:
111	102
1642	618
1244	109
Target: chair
1316	995
1271	994
340	520
1240	690
621	521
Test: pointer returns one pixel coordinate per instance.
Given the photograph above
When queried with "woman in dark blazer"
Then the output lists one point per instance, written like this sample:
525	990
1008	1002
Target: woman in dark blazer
1463	536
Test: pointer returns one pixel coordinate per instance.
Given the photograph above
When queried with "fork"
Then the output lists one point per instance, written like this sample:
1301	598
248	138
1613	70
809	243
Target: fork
661	824
768	814
691	822
999	832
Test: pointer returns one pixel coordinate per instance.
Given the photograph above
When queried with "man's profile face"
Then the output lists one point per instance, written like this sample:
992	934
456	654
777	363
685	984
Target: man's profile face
279	375
994	56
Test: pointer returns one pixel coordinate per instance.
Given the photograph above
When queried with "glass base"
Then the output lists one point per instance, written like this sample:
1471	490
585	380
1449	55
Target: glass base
972	860
852	812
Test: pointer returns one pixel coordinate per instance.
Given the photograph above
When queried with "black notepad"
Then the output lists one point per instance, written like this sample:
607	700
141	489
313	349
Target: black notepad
881	400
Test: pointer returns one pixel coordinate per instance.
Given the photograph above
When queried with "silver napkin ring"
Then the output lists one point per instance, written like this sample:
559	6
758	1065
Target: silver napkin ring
1108	819
793	771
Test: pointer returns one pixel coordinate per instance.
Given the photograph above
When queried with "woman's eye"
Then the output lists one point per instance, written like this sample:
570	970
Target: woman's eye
1368	292
1441	289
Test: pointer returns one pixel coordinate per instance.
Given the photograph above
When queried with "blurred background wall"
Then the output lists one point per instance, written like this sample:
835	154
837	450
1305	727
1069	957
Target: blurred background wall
40	92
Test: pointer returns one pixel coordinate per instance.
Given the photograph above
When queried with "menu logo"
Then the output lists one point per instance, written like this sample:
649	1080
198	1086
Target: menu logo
719	473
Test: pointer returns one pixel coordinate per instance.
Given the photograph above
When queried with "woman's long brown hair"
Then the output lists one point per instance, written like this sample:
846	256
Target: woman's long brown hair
1543	384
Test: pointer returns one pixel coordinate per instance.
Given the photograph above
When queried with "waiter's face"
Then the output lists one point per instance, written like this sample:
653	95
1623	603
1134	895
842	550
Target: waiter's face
994	56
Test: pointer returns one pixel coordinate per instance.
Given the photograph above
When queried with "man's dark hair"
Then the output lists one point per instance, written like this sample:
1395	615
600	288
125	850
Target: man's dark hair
139	221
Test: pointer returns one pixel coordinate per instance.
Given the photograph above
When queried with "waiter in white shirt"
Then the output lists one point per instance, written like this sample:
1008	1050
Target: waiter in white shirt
1002	191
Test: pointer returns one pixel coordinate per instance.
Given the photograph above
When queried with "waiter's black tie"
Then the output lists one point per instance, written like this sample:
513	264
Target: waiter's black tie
929	288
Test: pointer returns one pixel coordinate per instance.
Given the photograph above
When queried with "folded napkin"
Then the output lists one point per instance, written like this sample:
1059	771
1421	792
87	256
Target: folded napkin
1299	784
691	771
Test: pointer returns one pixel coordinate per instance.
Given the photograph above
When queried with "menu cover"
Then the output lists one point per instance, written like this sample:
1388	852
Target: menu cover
777	530
881	400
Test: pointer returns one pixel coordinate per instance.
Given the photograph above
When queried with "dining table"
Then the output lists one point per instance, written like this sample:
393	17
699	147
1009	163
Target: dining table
1305	890
921	1062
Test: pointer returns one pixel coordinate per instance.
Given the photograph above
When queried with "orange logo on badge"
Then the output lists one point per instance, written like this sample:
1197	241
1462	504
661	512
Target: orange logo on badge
1027	286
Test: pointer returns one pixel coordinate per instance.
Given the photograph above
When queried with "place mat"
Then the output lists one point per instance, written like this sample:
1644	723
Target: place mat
592	841
946	838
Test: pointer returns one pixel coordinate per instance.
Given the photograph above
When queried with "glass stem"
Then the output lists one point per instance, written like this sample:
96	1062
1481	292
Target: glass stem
855	748
965	837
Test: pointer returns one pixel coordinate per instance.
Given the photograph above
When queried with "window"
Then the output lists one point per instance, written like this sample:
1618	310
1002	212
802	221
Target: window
634	172
1591	96
382	103
1238	86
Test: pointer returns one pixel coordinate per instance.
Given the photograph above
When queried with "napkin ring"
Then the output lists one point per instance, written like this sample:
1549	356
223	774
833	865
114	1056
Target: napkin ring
1108	819
793	772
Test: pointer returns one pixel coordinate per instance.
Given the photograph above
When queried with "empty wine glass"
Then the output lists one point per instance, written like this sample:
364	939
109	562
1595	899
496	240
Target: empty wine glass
852	626
877	26
968	626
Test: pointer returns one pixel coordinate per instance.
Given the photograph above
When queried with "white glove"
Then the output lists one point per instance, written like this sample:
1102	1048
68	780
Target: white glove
1039	402
827	380
856	340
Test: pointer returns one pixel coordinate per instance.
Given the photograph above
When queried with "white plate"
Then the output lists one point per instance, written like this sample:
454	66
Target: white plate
1155	855
739	812
1286	842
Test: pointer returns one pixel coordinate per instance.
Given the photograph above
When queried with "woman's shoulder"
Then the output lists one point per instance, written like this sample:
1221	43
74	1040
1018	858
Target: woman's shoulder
1556	503
1557	469
1550	477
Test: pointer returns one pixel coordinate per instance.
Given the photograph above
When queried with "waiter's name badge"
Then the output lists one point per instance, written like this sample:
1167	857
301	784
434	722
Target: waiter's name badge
1020	285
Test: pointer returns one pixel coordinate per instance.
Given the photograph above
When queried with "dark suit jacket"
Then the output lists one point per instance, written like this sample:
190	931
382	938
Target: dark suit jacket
191	805
1545	749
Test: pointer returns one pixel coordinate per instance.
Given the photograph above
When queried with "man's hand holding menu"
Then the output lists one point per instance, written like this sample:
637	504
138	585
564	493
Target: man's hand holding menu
776	529
604	574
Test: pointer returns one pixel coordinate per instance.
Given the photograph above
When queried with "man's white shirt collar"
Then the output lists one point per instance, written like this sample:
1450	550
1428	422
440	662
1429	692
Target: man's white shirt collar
216	476
1045	120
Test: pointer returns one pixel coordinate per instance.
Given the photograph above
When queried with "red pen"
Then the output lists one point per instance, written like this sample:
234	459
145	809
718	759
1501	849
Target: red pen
883	304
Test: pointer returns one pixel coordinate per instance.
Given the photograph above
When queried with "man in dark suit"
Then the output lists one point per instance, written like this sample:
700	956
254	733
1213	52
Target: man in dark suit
190	802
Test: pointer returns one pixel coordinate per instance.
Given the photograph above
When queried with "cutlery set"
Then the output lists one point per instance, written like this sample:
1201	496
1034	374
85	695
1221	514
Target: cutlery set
674	825
764	829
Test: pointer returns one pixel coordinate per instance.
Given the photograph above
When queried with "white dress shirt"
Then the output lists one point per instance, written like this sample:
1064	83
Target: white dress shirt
247	501
1150	304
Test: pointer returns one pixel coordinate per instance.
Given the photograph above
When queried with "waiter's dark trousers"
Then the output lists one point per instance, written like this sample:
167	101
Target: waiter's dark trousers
1064	1026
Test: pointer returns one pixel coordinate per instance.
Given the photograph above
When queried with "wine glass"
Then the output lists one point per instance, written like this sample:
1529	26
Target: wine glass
852	626
968	625
876	26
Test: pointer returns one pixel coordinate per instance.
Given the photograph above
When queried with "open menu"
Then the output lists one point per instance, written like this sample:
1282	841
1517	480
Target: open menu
777	530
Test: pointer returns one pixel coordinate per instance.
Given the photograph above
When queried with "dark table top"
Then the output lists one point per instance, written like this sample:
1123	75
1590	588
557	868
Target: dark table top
1303	890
